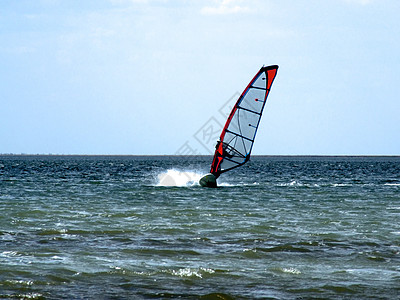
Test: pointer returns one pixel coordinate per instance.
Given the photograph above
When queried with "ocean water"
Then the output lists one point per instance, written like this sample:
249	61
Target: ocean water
129	227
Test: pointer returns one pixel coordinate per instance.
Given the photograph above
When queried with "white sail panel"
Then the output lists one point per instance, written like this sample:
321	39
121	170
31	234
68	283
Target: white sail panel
237	138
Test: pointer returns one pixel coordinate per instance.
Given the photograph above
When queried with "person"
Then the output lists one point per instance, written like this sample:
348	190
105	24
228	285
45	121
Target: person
225	146
218	157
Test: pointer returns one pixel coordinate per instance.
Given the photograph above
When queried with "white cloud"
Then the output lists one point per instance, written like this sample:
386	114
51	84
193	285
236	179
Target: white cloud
225	7
362	2
119	2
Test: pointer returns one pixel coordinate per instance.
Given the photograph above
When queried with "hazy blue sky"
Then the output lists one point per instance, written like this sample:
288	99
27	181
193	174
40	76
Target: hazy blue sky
149	77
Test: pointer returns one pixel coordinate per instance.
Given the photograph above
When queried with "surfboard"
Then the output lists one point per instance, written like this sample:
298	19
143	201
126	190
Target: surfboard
208	180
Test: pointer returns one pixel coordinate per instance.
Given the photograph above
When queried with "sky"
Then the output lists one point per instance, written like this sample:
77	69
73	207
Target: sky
157	76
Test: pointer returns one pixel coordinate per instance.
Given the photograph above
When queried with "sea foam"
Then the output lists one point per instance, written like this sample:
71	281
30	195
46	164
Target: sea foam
174	177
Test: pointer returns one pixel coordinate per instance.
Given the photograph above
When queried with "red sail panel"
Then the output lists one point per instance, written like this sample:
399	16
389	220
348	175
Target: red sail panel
237	138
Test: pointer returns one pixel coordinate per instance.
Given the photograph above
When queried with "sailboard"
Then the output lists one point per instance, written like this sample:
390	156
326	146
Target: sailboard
237	137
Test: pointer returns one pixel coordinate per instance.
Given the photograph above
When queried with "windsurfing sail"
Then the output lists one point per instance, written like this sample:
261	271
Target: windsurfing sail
236	140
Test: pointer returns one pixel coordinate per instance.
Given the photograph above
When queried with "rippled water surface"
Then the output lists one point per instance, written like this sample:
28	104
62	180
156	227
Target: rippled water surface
142	228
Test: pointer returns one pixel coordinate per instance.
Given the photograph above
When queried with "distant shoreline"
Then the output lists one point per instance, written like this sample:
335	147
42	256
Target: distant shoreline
190	156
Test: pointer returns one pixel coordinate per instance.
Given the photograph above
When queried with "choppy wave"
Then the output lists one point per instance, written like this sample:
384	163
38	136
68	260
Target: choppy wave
111	228
191	272
296	183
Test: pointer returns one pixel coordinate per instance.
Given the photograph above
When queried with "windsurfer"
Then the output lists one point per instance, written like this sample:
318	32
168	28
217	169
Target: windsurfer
235	151
225	146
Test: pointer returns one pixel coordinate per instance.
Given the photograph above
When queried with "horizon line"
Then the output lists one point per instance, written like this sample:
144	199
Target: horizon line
202	155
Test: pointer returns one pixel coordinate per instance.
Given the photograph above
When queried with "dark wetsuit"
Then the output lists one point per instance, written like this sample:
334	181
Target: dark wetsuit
224	147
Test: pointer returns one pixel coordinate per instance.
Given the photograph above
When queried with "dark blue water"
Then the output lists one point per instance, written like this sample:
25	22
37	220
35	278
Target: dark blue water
142	228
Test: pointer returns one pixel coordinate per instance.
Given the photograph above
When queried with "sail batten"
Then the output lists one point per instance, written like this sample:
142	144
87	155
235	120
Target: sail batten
237	137
259	88
243	137
249	110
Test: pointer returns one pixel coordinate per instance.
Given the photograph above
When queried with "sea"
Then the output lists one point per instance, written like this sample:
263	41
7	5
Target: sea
141	227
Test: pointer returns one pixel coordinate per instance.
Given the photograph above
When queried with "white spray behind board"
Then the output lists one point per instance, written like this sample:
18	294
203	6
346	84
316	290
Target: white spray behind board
174	177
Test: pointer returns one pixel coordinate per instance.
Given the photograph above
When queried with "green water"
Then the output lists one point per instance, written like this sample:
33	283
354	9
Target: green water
277	228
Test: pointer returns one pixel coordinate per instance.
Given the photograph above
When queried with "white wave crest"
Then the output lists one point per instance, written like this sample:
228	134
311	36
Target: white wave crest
291	271
190	272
